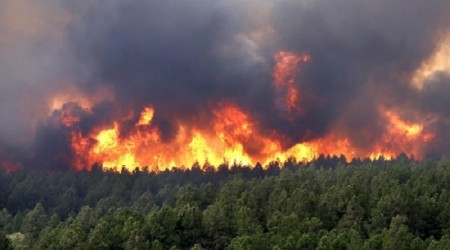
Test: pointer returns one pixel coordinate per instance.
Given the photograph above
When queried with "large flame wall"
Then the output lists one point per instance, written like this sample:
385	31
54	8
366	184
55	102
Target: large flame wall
231	136
169	83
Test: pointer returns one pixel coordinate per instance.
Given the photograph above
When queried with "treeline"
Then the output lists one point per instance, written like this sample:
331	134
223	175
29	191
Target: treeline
326	204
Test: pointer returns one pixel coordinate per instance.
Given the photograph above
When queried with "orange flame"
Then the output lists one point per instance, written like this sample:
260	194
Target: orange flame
233	136
402	136
232	139
284	75
146	116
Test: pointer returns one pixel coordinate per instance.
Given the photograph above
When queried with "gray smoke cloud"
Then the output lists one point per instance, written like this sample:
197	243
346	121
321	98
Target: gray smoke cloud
183	57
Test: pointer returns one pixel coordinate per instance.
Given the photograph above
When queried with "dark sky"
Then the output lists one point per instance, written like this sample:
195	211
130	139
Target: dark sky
183	57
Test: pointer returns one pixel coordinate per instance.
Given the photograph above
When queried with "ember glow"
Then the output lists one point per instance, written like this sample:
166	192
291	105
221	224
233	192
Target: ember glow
159	85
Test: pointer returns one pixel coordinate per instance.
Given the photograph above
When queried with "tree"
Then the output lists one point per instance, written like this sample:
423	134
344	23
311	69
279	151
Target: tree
241	242
5	220
145	203
441	244
217	226
156	245
99	237
71	236
86	219
245	223
197	247
189	225
353	217
5	244
161	226
35	220
397	237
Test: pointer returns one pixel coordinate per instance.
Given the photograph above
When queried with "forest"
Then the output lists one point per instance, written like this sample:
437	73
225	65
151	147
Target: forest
325	204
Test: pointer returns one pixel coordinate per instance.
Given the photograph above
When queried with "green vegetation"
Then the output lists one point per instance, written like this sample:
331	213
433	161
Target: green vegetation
5	243
327	204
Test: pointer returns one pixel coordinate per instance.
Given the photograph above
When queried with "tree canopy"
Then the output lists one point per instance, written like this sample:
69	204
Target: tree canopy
326	204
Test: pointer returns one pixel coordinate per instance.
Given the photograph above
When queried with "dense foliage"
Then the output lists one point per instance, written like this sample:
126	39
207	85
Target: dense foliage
327	204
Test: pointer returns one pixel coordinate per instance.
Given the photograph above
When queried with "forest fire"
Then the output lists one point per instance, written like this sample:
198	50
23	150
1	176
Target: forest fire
216	83
227	124
284	74
233	136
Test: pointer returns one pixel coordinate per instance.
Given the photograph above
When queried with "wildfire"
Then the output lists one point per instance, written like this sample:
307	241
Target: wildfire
143	147
402	136
146	116
399	126
233	135
231	140
285	73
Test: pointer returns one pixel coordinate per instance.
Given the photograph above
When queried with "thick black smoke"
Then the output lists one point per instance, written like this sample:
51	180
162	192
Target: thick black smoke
184	57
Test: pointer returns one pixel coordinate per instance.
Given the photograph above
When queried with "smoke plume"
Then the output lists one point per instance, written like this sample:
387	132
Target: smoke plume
361	69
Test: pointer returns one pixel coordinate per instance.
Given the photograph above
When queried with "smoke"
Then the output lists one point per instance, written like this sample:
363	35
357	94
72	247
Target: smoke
108	60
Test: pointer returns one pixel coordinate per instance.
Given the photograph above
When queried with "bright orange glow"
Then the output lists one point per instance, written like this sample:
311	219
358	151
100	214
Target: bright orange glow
232	131
107	140
233	136
284	74
232	140
399	126
146	116
401	136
